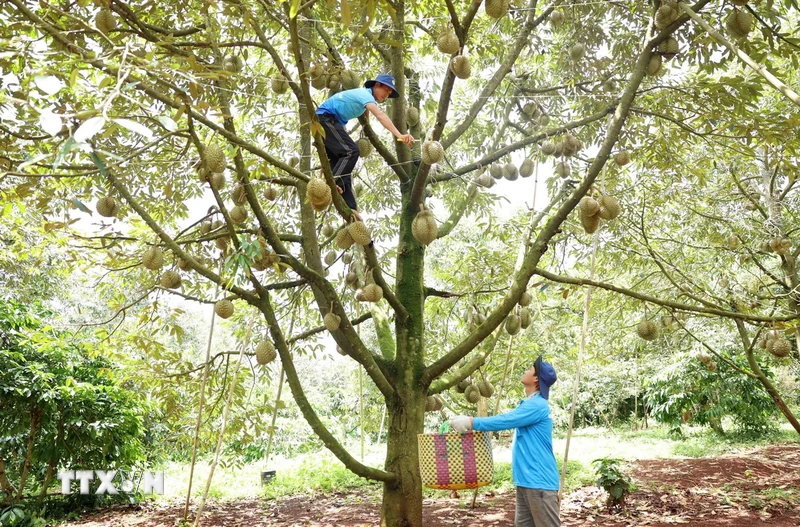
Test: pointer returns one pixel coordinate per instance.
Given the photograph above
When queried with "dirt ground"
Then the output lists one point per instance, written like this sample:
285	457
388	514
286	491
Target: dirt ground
753	488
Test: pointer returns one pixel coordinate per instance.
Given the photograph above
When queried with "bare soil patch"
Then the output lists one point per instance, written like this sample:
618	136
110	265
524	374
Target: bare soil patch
744	489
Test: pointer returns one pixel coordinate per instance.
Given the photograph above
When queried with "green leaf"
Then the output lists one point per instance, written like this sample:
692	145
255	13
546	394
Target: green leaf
50	84
295	7
89	129
135	127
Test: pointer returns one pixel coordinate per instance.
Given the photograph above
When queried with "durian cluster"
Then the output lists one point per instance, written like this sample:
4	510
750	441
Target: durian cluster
507	171
776	245
520	318
567	146
707	361
433	403
774	343
335	80
593	210
474	391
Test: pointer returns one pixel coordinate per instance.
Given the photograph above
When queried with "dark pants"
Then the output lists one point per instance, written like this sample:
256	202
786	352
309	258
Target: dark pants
536	508
343	155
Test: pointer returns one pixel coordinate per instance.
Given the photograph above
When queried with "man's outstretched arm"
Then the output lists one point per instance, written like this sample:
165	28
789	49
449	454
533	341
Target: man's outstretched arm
387	123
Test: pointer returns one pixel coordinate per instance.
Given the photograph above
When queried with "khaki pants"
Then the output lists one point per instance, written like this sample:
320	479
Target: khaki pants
536	508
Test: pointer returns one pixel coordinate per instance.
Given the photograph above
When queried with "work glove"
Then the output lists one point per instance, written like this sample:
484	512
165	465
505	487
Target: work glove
461	423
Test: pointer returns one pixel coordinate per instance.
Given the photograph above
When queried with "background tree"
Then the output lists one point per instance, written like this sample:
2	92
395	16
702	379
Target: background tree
142	113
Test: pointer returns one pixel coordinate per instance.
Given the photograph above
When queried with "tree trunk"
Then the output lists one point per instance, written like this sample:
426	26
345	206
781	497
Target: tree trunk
5	484
36	418
402	499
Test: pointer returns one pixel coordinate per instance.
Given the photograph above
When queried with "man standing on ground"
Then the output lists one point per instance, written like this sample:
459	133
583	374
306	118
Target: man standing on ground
533	464
334	114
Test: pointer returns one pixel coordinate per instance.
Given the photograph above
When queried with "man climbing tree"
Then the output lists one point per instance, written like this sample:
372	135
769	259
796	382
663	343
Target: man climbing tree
334	114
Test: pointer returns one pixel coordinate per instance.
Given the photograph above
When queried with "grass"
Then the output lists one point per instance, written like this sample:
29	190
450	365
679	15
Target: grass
322	472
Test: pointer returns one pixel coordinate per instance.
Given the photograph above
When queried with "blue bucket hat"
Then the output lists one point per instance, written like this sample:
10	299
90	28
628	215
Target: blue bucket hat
546	374
388	80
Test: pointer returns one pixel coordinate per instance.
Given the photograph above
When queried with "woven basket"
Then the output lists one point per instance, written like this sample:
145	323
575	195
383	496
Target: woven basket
455	461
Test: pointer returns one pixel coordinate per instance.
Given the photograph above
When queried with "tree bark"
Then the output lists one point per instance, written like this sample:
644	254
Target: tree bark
402	498
5	484
36	418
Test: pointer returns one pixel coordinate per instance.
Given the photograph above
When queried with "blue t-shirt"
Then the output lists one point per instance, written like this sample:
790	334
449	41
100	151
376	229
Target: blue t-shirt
347	104
533	464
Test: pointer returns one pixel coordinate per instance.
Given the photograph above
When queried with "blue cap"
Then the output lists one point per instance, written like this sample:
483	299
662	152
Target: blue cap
388	80
546	374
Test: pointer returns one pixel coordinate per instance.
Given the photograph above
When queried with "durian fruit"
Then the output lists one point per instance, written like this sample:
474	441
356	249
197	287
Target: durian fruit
462	386
622	158
562	170
485	180
107	207
238	214
238	194
739	24
328	230
557	18
531	109
647	329
351	278
153	258
666	14
347	258
317	75
232	63
472	393
372	292
447	42
105	22
334	83
513	324
548	148
223	308
496	8
510	171
460	67
765	247
432	152
270	193
217	180
412	116
214	158
485	388
543	120
571	145
589	206
222	242
330	257
654	66
170	280
590	224
205	228
279	84
318	193
780	245
430	403
359	233
734	242
343	239
707	361
524	318
577	51
609	207
364	147
496	170
424	228
525	299
781	348
350	80
668	48
183	265
526	168
265	352
332	321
